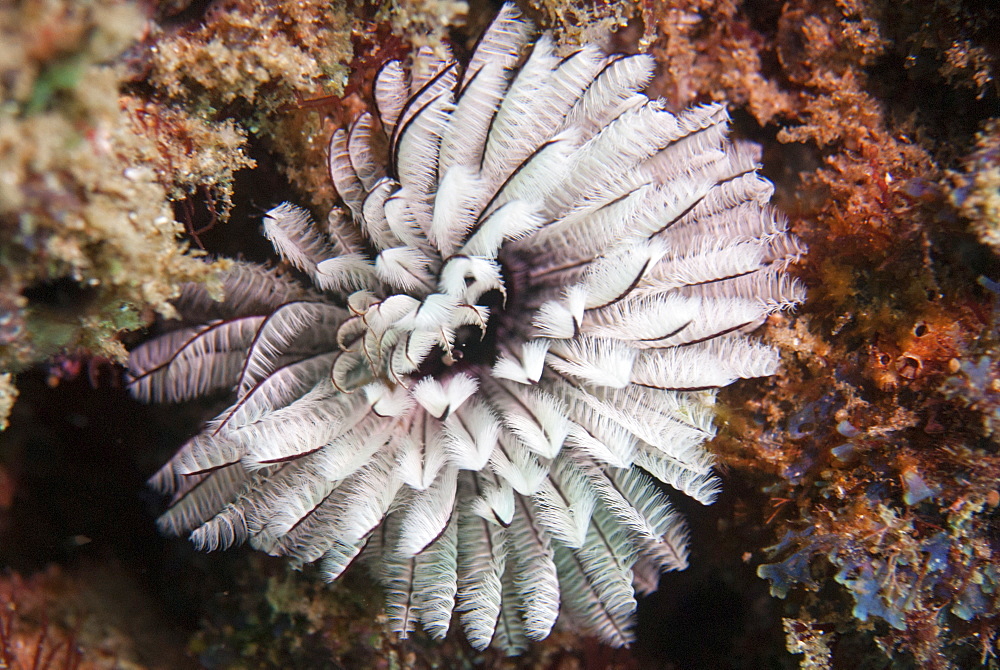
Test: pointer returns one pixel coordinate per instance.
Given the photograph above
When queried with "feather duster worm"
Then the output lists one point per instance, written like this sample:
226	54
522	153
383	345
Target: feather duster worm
512	335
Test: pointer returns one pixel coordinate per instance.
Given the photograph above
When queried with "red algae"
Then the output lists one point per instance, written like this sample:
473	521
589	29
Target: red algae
880	439
54	620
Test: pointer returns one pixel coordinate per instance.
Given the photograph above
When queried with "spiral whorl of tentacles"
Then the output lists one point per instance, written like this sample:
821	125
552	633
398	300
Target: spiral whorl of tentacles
513	333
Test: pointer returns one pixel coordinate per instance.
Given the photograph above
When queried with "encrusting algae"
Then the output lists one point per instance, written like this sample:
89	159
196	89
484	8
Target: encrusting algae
884	507
88	238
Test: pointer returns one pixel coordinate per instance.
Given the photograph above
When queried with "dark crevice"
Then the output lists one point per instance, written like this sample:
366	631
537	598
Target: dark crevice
62	294
255	192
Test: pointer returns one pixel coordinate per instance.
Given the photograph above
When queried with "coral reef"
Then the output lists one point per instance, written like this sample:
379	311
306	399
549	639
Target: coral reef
8	394
582	23
879	427
278	619
287	71
28	644
87	236
55	621
261	63
975	188
957	39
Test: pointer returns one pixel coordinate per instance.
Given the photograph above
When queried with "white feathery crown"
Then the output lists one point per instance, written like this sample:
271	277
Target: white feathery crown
509	342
